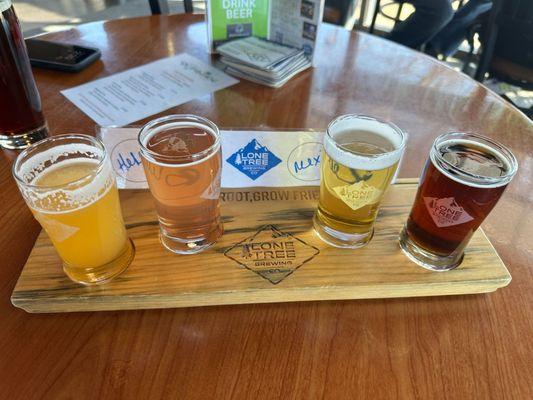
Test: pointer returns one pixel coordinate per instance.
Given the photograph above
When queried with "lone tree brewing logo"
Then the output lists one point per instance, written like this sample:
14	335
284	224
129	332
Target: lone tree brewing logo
272	254
253	160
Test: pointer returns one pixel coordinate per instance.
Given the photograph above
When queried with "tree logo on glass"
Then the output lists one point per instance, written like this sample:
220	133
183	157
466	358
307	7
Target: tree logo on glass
271	253
446	212
358	195
253	160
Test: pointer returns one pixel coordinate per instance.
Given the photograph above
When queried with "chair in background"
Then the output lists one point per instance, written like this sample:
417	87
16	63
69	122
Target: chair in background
161	6
507	45
339	12
477	28
380	9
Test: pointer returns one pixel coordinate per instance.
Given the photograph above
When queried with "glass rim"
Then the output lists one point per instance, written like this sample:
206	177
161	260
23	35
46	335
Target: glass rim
56	138
168	119
491	143
403	135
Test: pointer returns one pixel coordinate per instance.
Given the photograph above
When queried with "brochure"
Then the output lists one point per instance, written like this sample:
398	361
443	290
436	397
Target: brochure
292	23
262	61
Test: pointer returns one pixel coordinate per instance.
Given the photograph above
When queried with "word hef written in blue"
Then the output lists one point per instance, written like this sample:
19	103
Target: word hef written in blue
126	162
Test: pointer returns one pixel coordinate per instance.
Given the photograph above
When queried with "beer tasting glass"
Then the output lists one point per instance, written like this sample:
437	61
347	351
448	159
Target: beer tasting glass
182	160
69	184
464	177
360	158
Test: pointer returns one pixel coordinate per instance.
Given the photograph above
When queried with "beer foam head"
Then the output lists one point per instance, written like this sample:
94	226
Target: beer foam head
69	194
349	123
473	176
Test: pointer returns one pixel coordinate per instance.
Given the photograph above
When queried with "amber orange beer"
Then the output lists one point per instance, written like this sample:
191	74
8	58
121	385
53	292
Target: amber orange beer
69	185
182	160
464	177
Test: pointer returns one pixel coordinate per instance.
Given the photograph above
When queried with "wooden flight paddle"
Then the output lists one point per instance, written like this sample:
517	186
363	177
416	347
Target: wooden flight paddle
268	253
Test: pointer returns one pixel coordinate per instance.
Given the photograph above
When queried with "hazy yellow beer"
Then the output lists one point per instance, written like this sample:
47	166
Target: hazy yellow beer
69	185
360	158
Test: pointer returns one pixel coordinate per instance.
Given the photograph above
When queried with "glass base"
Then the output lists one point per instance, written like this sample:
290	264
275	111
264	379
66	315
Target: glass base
340	239
188	246
426	259
103	273
17	142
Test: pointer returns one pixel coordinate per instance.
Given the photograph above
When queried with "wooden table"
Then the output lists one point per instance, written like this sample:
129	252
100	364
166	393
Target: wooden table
461	347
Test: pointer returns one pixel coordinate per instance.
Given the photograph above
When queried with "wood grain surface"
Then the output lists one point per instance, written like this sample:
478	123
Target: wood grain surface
268	254
457	347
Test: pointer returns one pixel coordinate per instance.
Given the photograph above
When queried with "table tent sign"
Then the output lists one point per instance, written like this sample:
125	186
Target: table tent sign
250	158
291	23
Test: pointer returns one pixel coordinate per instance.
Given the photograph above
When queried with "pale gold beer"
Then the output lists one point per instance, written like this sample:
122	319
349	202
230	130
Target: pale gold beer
359	161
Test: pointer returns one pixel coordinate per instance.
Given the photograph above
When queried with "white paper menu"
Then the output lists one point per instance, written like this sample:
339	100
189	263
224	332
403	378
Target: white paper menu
137	93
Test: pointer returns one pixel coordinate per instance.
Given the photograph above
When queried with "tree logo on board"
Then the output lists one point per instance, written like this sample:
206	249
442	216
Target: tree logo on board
271	253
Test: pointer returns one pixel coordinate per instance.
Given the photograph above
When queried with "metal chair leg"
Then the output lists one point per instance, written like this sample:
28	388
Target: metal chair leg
487	48
468	59
399	13
159	7
362	14
374	17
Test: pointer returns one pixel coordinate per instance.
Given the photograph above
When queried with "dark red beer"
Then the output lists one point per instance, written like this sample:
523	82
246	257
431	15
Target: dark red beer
462	181
21	118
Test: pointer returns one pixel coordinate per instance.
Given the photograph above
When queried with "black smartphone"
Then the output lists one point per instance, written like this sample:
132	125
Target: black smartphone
60	56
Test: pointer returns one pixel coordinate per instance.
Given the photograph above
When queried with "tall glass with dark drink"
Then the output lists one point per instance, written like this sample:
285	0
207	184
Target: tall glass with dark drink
463	179
182	160
21	118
